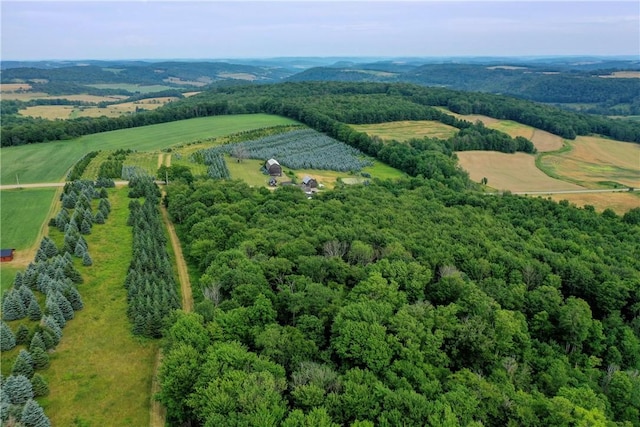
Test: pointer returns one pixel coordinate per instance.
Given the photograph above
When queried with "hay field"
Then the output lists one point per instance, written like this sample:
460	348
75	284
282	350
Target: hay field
132	87
14	87
623	75
53	112
592	160
618	202
407	129
543	141
514	172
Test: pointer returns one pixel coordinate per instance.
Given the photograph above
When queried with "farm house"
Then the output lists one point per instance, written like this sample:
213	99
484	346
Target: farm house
6	255
309	182
273	167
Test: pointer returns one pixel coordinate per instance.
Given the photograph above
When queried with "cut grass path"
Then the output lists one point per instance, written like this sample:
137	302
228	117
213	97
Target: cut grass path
49	162
157	414
100	373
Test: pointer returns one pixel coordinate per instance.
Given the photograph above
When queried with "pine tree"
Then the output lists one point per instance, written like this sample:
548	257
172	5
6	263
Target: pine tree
87	216
22	334
17	282
85	227
40	358
52	309
48	337
12	307
74	297
39	385
79	250
7	339
53	326
99	218
18	388
37	342
23	364
26	294
50	248
33	415
33	311
65	306
86	259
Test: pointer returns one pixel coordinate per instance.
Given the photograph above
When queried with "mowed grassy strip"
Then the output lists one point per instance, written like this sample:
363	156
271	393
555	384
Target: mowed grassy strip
49	162
404	130
22	213
100	374
514	172
595	162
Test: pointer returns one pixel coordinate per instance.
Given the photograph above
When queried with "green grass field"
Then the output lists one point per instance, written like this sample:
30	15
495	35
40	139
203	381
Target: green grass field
98	355
49	162
404	130
22	213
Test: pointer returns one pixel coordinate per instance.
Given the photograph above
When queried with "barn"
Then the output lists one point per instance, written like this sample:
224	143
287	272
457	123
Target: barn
6	255
273	167
309	182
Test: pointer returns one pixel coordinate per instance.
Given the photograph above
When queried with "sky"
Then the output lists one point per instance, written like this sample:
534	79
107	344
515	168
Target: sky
156	29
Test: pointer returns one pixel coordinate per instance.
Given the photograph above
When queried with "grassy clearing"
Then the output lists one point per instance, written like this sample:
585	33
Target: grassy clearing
623	75
7	274
14	87
133	87
49	162
100	373
52	112
28	96
407	129
595	162
618	202
22	213
543	141
514	172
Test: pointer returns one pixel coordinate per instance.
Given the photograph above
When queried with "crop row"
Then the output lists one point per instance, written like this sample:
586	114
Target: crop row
298	149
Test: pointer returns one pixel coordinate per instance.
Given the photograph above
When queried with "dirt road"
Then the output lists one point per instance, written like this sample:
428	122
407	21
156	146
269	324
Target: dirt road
157	416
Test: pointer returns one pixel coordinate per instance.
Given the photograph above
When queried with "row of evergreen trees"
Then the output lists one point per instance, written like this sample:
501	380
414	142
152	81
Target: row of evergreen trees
151	288
53	274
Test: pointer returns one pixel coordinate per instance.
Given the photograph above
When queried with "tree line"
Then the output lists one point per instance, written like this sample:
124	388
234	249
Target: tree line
311	103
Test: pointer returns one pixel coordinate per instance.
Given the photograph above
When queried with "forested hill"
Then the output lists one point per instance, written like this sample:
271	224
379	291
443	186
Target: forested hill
402	304
545	83
328	106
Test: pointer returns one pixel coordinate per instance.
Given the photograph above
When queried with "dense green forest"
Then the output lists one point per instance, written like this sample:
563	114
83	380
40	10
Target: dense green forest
329	106
404	303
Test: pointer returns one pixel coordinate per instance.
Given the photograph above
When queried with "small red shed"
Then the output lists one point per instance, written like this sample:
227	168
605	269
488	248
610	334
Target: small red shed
6	255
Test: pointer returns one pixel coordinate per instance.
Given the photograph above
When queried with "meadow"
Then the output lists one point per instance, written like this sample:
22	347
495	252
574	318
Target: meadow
514	172
543	141
22	215
596	162
52	112
49	162
98	353
406	129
